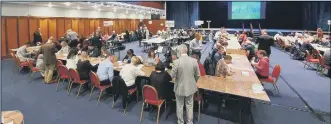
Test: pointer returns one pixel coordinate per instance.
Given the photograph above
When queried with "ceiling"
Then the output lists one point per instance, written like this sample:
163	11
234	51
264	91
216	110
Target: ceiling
99	6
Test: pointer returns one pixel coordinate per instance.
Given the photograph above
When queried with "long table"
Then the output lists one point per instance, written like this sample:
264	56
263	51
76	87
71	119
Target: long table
234	47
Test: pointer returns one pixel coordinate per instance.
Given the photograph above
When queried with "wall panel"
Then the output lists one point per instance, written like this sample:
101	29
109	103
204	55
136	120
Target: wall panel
67	24
34	24
23	30
86	27
3	37
81	27
74	25
11	30
60	27
92	28
43	24
52	25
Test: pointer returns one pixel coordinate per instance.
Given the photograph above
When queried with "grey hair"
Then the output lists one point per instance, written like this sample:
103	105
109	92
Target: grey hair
182	49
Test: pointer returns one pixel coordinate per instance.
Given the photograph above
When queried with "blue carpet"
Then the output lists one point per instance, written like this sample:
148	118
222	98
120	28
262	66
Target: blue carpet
41	104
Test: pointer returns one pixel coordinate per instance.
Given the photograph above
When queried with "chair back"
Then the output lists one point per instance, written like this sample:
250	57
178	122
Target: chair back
308	55
74	75
63	71
30	64
316	53
150	93
322	61
276	71
94	79
59	62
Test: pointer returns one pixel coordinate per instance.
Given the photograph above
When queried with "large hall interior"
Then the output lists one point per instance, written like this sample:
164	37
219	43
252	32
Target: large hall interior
165	62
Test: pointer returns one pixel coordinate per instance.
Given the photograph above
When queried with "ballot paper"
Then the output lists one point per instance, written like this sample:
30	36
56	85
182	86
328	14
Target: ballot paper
245	73
257	88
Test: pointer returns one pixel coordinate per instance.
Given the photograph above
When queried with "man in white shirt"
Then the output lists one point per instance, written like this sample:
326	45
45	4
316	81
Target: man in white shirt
22	52
196	45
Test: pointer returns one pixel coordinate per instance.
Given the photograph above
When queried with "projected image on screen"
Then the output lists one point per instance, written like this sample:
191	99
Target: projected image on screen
246	10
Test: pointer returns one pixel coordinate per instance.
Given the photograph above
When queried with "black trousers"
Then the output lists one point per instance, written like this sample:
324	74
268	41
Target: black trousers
124	97
261	76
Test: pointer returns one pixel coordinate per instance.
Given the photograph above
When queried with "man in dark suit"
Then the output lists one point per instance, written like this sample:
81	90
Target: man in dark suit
37	37
140	35
48	50
265	42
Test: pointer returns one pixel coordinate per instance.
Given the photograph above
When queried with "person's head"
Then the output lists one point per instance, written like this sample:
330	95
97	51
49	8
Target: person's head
103	50
72	53
264	32
225	44
114	32
261	54
151	53
130	52
84	54
135	60
182	49
40	56
221	50
197	36
227	59
159	67
27	44
38	30
64	44
51	40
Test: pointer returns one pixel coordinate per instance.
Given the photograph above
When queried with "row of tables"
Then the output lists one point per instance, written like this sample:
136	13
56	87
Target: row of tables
239	84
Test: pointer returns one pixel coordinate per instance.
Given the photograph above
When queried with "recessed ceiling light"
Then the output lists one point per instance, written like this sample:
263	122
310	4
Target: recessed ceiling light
67	3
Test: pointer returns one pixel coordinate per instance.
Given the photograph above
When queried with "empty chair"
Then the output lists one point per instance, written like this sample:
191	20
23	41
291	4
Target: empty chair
18	63
322	65
33	69
273	78
63	73
310	60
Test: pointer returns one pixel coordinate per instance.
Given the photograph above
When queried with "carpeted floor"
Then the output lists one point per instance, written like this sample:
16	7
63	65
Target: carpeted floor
40	104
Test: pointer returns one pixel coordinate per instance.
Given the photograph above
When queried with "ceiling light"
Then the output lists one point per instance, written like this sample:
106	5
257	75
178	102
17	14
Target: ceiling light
67	3
78	7
50	5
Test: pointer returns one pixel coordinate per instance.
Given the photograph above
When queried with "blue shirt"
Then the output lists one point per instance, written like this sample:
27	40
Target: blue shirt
105	70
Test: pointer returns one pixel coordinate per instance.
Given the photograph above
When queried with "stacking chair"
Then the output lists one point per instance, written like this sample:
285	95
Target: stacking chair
96	84
33	69
18	63
75	79
310	60
151	97
59	62
322	65
273	78
63	73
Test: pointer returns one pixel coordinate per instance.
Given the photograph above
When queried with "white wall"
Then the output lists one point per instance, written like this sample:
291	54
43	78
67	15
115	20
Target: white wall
9	9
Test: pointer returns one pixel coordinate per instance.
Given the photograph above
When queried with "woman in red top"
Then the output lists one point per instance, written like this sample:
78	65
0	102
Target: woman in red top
262	67
201	68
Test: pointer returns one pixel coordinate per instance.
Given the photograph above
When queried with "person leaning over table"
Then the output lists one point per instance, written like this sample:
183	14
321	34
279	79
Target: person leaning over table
130	72
262	67
105	70
222	68
64	48
48	50
129	55
104	52
23	54
250	49
186	72
72	58
84	67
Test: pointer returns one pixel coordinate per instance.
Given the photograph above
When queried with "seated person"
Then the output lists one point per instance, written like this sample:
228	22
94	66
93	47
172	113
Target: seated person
140	64
219	54
40	64
72	58
151	59
129	55
84	67
23	54
262	67
104	52
160	79
250	49
105	37
130	72
113	36
196	44
201	68
105	70
222	68
93	51
64	48
325	42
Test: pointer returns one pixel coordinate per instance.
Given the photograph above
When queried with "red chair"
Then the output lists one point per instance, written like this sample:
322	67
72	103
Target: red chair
63	73
18	63
59	62
316	54
151	97
33	69
310	60
322	65
75	79
273	78
96	83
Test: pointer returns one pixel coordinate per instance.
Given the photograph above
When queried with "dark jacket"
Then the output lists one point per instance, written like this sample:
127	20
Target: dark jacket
265	42
48	50
84	68
127	57
95	52
210	63
161	82
37	37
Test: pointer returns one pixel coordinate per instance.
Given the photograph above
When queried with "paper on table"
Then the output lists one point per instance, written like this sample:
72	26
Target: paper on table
245	73
12	122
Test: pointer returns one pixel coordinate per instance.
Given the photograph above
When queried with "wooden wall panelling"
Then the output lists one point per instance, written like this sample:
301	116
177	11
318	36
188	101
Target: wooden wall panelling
86	27
34	24
52	25
102	27
67	24
81	27
3	37
11	31
74	25
111	28
92	28
60	27
43	24
23	30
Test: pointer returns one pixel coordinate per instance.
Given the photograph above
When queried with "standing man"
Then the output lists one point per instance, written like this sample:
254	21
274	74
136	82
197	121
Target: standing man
265	42
186	72
73	38
37	37
140	35
48	50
